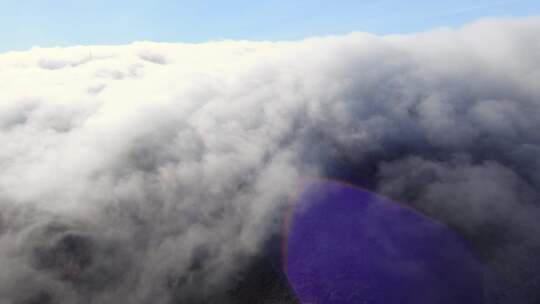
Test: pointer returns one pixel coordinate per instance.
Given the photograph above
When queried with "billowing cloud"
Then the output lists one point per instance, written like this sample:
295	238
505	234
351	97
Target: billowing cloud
152	173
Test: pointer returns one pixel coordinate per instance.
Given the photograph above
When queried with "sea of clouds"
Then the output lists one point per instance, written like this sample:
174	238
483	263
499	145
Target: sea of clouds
154	172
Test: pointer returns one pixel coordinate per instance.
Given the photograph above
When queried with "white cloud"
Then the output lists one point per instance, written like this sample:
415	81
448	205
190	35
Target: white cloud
156	156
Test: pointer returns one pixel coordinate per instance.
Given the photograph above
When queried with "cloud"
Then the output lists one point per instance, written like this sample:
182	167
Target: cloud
152	173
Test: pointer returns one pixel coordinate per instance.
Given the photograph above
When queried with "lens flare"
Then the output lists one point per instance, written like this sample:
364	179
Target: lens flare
348	245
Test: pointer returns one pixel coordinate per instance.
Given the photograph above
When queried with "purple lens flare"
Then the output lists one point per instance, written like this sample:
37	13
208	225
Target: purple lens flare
348	245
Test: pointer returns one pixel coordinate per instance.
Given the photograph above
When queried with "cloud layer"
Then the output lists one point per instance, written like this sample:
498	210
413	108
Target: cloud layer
151	173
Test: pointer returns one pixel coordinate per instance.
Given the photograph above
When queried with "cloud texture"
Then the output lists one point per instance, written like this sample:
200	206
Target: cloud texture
151	172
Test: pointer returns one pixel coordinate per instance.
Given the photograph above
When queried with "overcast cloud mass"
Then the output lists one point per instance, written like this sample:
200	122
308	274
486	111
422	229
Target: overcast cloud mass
153	173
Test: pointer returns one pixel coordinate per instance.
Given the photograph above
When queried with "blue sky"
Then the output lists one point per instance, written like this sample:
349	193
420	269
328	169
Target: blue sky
27	23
